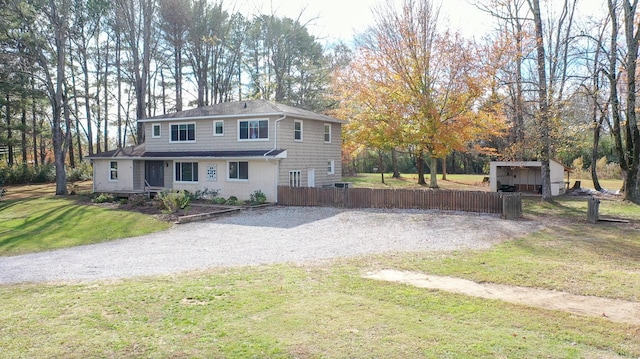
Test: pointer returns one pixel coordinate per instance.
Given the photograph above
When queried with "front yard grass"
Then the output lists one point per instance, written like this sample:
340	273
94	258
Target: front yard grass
33	219
327	310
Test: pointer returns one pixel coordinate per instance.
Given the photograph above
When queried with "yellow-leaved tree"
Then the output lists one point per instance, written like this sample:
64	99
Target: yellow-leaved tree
413	86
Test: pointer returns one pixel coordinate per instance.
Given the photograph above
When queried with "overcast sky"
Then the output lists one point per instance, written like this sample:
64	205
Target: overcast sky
334	20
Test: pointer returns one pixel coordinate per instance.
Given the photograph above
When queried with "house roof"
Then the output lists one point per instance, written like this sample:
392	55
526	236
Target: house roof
528	164
140	153
250	108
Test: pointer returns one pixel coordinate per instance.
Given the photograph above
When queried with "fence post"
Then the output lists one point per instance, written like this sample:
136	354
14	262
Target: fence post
511	206
592	211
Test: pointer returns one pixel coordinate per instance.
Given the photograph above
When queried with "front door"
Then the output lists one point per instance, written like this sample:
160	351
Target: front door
154	173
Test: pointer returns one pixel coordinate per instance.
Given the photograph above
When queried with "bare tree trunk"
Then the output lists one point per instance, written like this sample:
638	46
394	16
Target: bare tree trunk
24	131
543	106
597	125
34	123
394	163
58	102
632	133
10	154
119	80
76	107
444	169
105	80
87	101
433	172
72	159
420	167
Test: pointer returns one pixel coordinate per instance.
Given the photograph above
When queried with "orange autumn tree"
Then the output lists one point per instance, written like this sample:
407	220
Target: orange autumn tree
421	86
372	108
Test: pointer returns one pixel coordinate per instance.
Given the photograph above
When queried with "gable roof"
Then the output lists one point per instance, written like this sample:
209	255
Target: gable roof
250	108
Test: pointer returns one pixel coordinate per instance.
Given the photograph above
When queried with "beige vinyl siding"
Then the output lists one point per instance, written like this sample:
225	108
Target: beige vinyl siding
102	183
262	176
205	140
312	152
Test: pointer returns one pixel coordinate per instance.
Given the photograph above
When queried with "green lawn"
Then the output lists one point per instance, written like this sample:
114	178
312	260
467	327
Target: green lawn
327	310
460	182
454	181
32	219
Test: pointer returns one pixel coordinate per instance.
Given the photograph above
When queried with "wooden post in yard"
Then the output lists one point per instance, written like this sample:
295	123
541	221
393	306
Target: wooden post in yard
511	206
592	211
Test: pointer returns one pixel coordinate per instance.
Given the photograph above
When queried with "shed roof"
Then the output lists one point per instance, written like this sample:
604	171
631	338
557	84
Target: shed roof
528	164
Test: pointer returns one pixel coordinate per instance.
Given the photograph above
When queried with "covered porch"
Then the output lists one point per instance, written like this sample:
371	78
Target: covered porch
526	177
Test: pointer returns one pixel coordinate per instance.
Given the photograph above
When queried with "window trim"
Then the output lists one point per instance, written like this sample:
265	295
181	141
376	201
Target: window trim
254	139
331	167
229	178
171	140
181	180
296	180
113	170
301	139
325	133
153	130
214	128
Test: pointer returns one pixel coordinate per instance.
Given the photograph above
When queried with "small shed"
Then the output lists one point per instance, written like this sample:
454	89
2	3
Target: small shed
526	176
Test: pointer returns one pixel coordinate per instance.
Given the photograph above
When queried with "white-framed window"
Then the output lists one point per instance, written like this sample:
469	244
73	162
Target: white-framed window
113	170
327	132
218	128
186	172
183	132
331	167
238	170
297	130
155	130
294	178
253	130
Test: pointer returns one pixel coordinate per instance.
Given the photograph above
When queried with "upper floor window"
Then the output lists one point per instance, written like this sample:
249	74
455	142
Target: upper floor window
184	132
186	172
113	170
218	128
253	129
155	133
297	130
327	132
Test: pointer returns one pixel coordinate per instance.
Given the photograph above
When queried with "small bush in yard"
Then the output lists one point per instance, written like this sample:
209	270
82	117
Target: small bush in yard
233	200
104	198
257	197
172	202
219	200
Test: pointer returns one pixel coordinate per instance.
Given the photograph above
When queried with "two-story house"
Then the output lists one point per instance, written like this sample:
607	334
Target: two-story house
235	148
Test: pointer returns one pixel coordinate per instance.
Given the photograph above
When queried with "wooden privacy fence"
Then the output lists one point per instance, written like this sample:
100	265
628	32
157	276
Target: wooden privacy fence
509	205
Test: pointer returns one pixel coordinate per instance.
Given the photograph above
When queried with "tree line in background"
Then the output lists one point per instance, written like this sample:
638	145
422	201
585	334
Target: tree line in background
75	75
545	84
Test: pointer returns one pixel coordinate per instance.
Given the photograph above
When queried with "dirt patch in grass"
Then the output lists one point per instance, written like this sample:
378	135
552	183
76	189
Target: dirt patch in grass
612	309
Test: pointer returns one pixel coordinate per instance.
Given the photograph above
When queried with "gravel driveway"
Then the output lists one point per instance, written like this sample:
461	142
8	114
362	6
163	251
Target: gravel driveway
270	235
